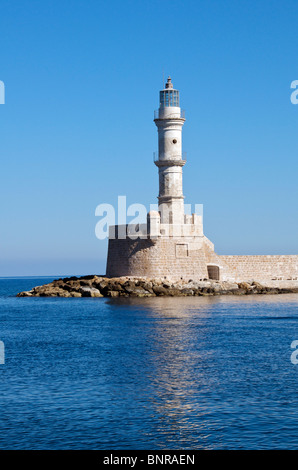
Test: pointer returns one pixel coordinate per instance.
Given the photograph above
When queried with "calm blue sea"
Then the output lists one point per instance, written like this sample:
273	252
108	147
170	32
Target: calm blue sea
161	373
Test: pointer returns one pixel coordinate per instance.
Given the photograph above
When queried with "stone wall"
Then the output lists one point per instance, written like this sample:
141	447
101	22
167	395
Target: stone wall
188	258
174	258
259	268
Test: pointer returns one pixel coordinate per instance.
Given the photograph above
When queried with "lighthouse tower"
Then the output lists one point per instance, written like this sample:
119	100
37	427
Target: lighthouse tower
169	121
170	243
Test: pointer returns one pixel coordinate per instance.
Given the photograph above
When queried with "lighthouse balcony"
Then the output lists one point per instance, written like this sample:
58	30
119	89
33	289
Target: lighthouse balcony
175	160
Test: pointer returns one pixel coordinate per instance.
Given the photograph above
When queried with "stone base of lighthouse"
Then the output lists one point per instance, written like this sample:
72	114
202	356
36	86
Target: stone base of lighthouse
191	258
182	252
174	259
160	250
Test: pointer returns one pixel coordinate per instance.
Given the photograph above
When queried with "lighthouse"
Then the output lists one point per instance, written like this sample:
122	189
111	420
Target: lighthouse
169	120
170	244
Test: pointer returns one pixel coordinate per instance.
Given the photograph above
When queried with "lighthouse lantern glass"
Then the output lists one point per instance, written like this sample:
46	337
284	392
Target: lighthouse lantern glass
169	98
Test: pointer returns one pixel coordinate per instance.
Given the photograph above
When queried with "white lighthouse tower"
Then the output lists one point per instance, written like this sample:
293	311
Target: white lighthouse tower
169	121
171	243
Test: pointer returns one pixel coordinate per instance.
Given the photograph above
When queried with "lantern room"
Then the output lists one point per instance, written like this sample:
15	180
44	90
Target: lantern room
169	96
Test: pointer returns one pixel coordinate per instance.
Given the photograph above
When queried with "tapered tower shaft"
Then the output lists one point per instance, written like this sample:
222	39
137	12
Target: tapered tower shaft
169	122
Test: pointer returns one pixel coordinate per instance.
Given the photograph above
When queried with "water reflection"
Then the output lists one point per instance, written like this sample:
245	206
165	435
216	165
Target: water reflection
176	370
189	387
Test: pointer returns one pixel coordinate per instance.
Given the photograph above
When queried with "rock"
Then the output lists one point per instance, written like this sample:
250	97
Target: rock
116	286
58	283
273	291
76	294
187	292
216	288
129	289
62	293
99	286
103	284
167	284
113	293
86	282
159	290
147	286
257	285
25	294
239	291
135	290
140	292
173	292
96	282
244	285
90	292
228	286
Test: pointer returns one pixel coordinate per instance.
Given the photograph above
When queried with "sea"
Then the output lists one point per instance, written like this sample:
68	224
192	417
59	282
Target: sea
155	373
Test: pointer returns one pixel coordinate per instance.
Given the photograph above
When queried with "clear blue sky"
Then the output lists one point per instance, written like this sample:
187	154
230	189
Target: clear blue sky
82	81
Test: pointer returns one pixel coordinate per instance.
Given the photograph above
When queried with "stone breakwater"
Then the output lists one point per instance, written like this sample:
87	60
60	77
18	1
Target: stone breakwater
97	286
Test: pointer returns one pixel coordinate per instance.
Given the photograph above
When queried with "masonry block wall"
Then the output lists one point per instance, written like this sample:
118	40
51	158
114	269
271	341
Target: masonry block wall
260	268
174	258
188	258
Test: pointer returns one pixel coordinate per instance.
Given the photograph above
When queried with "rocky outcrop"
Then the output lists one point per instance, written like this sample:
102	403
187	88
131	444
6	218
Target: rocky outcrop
97	286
